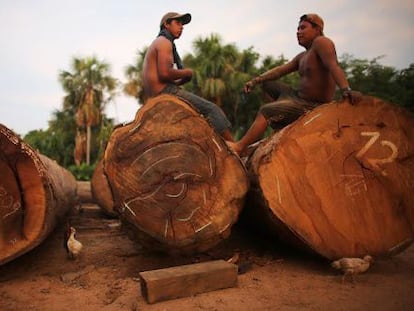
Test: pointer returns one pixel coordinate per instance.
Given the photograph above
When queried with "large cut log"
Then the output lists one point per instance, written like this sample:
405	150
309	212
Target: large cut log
174	179
339	180
101	191
35	194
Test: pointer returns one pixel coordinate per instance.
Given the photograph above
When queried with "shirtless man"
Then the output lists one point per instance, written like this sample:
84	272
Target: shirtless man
160	76
319	75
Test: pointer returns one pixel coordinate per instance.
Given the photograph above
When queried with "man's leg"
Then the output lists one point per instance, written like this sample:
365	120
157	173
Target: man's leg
253	134
211	111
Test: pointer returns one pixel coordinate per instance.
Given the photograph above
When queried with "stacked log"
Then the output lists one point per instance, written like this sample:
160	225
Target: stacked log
339	180
101	192
175	182
35	195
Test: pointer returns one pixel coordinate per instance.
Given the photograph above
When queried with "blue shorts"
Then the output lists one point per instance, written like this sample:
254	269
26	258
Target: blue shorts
209	110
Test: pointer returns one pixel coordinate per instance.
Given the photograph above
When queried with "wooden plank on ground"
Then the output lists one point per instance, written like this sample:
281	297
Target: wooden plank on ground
187	280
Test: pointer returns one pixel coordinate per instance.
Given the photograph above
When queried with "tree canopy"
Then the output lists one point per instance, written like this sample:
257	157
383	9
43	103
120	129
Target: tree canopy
220	71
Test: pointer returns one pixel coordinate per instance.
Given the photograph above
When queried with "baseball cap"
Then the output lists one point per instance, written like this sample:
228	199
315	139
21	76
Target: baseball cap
314	19
184	18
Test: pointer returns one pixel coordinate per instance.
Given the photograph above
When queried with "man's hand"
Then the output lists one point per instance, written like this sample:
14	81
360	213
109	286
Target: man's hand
249	86
188	76
353	96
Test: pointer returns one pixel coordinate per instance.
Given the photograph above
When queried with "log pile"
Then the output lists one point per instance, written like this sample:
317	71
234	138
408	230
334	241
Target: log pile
339	180
176	185
35	195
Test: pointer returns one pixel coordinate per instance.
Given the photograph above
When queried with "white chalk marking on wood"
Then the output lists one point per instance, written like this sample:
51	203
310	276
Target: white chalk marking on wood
177	194
135	127
370	142
211	167
356	185
15	209
278	189
375	163
186	174
312	119
129	209
217	145
203	227
189	217
166	227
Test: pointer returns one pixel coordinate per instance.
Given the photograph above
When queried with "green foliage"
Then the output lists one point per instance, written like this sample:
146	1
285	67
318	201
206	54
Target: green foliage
83	171
89	87
220	72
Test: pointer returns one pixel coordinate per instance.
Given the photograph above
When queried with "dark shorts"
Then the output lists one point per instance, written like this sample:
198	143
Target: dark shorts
287	106
209	110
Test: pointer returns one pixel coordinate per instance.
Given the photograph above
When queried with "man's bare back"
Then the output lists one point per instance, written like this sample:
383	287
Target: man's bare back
158	68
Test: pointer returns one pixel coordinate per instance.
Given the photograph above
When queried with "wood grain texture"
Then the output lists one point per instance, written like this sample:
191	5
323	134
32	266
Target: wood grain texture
176	184
35	195
340	180
187	280
101	191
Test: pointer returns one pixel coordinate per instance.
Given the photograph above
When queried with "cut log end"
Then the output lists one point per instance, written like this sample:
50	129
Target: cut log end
174	179
28	195
339	175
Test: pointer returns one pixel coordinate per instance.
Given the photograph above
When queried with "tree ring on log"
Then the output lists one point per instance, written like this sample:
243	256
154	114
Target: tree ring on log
340	179
173	177
35	194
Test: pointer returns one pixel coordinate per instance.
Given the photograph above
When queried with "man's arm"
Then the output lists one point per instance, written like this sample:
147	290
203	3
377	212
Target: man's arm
274	73
166	72
325	48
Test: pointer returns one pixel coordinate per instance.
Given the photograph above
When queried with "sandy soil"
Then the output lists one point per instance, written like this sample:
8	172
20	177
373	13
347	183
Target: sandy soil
105	277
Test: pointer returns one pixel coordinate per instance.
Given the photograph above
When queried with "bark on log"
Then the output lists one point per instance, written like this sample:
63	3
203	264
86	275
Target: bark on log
340	180
174	179
35	195
101	191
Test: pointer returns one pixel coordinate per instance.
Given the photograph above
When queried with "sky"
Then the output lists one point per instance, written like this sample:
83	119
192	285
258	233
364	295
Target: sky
39	38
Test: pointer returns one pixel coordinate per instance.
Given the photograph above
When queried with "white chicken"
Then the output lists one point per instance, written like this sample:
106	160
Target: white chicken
352	266
74	247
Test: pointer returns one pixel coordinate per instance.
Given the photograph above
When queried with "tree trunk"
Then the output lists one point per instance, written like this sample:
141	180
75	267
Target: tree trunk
174	180
88	145
340	180
35	194
101	191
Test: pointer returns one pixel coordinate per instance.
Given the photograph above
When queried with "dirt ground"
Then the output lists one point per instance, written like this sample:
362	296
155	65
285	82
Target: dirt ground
105	277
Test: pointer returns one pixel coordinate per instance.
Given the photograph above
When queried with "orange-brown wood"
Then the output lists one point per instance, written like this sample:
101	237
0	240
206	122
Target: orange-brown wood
101	191
35	194
174	179
340	180
187	280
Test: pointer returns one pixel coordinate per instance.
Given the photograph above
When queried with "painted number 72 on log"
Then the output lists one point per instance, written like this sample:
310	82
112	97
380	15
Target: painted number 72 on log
373	162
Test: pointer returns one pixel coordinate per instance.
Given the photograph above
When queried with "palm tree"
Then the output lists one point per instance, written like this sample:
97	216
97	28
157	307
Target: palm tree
213	61
133	87
89	88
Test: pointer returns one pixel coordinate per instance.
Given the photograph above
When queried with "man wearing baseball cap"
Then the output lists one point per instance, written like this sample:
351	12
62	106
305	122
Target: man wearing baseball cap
319	74
164	72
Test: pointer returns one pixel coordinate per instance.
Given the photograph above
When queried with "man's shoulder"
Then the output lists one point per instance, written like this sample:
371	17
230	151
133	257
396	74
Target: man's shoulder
160	41
322	40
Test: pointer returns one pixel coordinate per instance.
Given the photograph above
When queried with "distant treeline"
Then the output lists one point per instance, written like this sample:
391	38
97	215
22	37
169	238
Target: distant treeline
79	130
